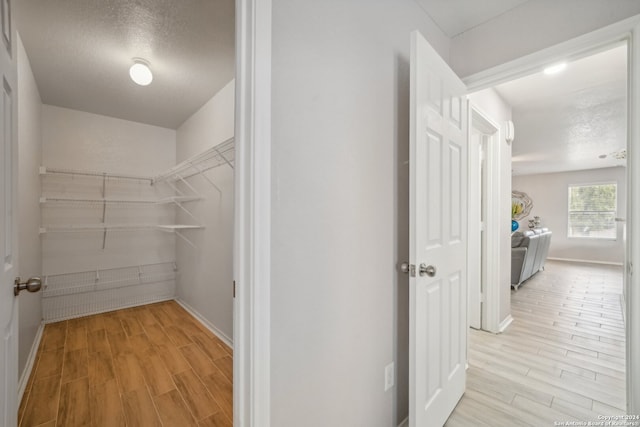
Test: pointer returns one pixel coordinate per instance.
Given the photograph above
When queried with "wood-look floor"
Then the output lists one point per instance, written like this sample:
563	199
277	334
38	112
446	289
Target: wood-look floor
153	365
562	358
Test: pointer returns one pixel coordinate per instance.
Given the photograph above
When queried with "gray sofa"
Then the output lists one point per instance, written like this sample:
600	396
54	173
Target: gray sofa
529	251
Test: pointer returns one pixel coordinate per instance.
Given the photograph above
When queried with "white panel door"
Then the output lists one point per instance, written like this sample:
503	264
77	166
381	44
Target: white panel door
8	228
438	218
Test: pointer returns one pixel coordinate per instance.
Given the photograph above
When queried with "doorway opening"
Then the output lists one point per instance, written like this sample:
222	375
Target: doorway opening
134	190
558	333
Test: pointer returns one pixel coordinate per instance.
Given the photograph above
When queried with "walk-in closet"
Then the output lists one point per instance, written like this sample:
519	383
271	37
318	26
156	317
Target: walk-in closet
126	204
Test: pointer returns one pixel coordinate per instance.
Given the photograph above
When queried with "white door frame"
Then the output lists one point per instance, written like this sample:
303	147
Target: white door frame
629	30
252	217
493	204
253	194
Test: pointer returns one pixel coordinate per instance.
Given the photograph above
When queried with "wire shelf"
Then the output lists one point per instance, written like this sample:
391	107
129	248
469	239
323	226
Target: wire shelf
55	199
221	154
71	295
53	171
107	279
68	228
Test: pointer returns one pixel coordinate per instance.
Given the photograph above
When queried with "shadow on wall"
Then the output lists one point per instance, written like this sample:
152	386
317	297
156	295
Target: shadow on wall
401	159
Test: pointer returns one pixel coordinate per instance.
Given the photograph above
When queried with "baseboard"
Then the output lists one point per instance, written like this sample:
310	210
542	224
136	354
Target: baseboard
404	423
31	360
228	341
585	261
505	324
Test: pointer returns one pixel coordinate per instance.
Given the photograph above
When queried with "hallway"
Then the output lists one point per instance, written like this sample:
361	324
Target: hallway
562	358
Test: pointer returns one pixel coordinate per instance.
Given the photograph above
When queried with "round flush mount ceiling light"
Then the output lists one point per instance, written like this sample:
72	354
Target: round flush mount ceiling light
555	69
140	72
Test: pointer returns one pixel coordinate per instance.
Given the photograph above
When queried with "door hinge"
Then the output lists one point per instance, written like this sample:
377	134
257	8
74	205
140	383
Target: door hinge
234	288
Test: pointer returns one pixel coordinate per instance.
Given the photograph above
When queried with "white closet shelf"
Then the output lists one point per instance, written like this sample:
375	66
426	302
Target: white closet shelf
92	227
56	171
176	227
54	199
108	227
178	199
221	154
105	279
163	201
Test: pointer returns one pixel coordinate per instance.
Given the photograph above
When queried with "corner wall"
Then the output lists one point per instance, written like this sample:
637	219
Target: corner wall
549	193
205	281
340	209
29	157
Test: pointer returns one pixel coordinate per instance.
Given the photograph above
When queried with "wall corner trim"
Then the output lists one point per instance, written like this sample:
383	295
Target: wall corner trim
252	237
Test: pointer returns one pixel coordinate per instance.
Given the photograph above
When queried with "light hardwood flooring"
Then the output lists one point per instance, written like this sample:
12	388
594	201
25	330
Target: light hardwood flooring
562	358
153	365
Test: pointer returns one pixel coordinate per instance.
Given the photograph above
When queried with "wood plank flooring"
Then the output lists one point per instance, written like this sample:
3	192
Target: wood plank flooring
153	365
562	358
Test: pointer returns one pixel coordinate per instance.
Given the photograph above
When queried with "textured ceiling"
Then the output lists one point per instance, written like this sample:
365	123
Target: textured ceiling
566	121
456	16
81	50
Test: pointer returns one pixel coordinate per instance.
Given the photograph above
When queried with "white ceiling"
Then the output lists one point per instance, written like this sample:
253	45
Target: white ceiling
456	16
81	50
566	121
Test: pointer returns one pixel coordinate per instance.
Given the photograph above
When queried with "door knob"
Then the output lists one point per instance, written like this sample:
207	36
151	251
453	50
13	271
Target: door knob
32	285
405	267
409	269
428	270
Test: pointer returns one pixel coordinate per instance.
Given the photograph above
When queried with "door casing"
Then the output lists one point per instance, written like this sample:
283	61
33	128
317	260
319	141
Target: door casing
493	292
627	30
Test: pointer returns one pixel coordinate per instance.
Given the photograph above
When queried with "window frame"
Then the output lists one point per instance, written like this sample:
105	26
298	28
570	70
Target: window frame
615	211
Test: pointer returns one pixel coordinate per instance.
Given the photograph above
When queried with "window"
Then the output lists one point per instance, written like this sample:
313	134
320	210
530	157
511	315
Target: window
592	211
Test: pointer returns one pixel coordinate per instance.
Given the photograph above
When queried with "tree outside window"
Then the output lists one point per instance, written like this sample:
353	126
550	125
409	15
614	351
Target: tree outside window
592	211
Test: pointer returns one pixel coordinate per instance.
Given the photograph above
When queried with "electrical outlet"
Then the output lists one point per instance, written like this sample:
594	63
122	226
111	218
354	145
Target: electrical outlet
389	376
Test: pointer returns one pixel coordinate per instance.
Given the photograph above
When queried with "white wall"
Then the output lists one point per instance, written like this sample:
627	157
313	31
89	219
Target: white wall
206	272
78	140
494	107
550	201
29	156
530	27
340	209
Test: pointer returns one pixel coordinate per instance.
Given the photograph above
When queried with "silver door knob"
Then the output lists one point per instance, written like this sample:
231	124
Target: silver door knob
409	269
405	267
427	270
32	285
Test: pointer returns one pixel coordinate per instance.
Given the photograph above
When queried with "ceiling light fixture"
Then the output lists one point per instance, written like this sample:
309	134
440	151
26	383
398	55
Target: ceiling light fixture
140	72
554	69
